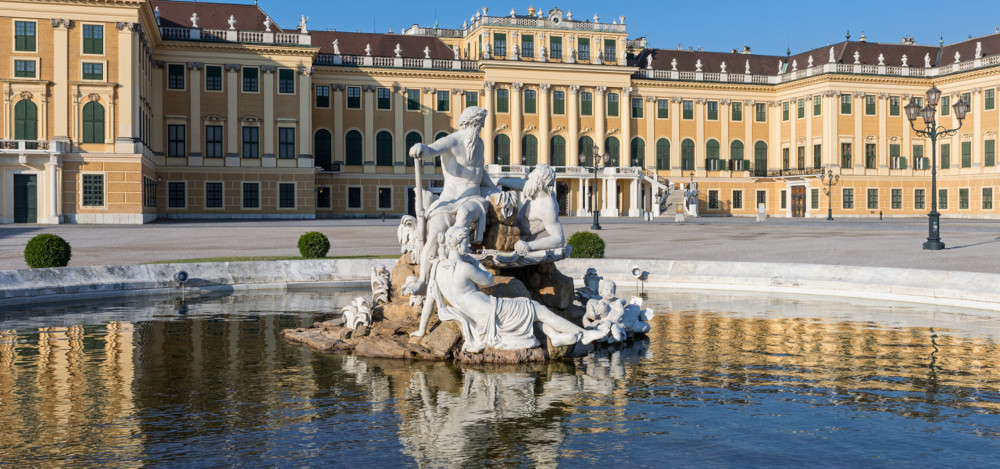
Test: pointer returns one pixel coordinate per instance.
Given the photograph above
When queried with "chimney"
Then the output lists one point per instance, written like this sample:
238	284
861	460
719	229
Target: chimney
746	49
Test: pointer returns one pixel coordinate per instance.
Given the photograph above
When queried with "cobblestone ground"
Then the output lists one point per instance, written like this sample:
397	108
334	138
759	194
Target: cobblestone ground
972	245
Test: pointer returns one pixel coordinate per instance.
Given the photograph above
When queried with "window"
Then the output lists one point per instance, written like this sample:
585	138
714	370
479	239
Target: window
555	47
663	154
967	97
286	81
919	162
785	163
736	156
323	149
586	103
412	139
471	98
354	148
93	189
353	97
712	155
800	108
966	154
322	96
213	195
176	135
251	195
176	195
637	108
93	39
737	199
687	155
25	37
963	199
989	99
989	153
92	71
503	100
845	155
896	161
987	198
609	50
323	197
873	199
784	199
942	199
558	102
175	76
893	105
25	68
499	45
945	105
869	105
557	151
383	148
817	105
662	109
286	142
384	100
638	153
213	78
251	142
713	110
817	156
897	199
762	199
530	101
148	192
583	50
945	156
213	141
251	83
784	111
760	112
848	198
286	195
384	198
713	199
354	197
93	122
760	158
613	150
501	149
871	158
814	199
527	45
736	111
845	104
412	100
918	199
687	110
800	159
612	104
529	150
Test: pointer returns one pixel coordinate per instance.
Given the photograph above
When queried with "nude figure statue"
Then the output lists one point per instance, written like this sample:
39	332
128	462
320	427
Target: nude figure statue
538	218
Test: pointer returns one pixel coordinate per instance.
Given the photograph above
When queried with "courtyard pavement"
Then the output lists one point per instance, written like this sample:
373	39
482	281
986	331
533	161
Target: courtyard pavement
971	245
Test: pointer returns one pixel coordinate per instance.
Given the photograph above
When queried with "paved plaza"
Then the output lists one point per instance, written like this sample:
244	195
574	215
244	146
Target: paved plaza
972	245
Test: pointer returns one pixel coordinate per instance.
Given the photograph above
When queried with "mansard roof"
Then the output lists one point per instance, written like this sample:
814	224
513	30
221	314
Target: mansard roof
382	45
177	14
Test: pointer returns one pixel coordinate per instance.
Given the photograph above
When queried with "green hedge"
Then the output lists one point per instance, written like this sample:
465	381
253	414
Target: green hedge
314	245
586	245
47	250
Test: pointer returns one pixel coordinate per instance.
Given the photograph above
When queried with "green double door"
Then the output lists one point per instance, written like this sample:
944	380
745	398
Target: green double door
25	198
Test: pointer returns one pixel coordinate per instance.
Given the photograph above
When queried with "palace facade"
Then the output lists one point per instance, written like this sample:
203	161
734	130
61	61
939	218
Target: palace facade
125	111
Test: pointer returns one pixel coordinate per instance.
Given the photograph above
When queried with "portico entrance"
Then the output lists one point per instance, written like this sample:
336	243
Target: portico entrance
798	201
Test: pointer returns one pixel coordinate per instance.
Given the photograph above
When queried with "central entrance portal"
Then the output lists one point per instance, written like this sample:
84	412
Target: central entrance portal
798	201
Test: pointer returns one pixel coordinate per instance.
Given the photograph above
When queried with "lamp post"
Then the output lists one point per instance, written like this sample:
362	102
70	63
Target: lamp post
933	131
598	164
829	180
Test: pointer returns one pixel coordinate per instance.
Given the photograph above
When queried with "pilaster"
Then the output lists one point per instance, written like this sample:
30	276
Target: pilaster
267	147
516	122
60	76
233	132
600	118
369	107
544	116
194	89
490	125
625	114
573	116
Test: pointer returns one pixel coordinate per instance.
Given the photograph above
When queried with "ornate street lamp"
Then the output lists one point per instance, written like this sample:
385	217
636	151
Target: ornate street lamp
599	161
829	180
933	131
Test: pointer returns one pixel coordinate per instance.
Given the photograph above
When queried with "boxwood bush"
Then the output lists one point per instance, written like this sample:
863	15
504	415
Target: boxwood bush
314	245
586	245
47	250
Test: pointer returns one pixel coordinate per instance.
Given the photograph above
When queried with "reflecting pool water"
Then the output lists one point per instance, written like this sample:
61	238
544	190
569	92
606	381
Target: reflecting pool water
731	380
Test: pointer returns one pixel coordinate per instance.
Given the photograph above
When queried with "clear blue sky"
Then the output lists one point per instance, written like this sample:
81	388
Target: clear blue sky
767	26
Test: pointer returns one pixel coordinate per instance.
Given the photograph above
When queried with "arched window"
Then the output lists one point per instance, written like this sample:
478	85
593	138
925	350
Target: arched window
687	155
638	152
354	148
501	149
25	120
93	122
557	151
587	150
613	149
760	159
323	149
736	150
712	155
412	139
529	150
383	148
439	136
663	154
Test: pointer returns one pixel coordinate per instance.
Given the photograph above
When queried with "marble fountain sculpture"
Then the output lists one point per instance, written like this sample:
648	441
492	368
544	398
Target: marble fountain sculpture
477	280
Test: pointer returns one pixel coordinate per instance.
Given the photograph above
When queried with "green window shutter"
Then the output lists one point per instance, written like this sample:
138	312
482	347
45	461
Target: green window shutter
25	120
989	155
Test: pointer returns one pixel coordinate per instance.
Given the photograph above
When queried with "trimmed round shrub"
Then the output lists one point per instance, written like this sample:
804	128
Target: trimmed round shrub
314	245
47	250
586	245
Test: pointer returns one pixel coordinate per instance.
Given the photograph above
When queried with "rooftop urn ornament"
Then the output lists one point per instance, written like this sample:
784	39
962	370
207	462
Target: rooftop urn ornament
904	61
927	60
747	67
621	19
267	24
336	46
673	64
697	65
194	20
596	18
465	25
881	59
232	22
302	24
615	22
427	52
398	50
368	49
958	57
478	15
810	61
857	57
485	10
569	15
832	60
722	67
513	13
979	49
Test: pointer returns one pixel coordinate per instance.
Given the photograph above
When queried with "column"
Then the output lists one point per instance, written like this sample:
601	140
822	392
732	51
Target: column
516	119
544	115
457	106
831	140
976	111
369	107
749	116
399	140
600	116
573	136
859	138
725	111
584	198
60	77
305	159
774	125
675	135
650	132
625	111
233	132
128	95
338	124
430	94
158	132
699	140
52	170
491	121
195	123
809	138
882	154
633	201
267	148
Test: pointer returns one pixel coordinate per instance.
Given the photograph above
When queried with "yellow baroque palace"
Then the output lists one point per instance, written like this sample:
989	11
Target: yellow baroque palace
125	111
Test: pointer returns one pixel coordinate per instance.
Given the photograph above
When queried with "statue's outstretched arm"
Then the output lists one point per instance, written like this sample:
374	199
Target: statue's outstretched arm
441	146
512	183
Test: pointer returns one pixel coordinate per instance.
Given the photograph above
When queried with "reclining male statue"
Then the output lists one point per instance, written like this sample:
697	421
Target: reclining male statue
538	217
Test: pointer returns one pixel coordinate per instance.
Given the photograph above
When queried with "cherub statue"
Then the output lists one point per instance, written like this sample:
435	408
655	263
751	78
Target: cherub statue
622	320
